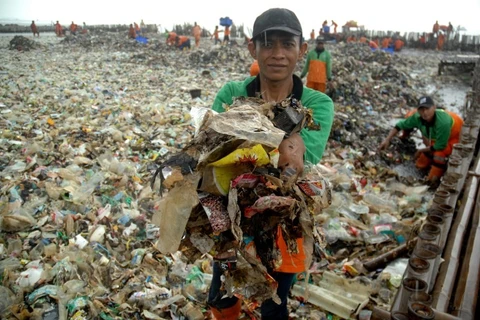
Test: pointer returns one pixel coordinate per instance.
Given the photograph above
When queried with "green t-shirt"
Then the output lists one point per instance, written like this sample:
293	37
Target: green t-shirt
322	106
438	131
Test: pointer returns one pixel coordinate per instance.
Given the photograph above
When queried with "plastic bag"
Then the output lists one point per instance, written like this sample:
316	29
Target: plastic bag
246	123
173	213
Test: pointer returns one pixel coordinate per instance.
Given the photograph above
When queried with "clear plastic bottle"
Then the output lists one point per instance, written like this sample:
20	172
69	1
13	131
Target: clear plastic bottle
303	312
192	312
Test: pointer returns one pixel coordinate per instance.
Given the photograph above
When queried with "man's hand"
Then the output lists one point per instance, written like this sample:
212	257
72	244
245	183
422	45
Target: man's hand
384	145
420	151
291	151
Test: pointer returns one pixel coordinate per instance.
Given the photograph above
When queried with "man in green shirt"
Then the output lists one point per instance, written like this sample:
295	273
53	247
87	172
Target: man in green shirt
277	46
319	67
440	131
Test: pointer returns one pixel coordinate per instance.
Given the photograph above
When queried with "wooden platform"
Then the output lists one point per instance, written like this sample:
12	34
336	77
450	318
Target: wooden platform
465	62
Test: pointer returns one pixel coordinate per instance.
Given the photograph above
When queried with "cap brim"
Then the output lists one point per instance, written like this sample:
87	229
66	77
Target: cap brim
425	105
280	28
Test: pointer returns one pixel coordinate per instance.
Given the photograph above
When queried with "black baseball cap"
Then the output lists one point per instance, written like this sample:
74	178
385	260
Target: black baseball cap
277	19
425	102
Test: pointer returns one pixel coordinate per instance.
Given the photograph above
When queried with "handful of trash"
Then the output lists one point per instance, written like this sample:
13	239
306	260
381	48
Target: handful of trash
226	192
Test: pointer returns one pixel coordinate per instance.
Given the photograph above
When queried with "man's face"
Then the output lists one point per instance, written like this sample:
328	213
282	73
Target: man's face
277	54
320	46
427	114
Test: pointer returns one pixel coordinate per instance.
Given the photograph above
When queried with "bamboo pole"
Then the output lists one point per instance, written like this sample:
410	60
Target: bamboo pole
465	300
446	277
380	314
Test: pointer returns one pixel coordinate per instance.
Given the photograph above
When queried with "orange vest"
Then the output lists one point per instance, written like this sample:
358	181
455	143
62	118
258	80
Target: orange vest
317	71
182	40
291	262
196	31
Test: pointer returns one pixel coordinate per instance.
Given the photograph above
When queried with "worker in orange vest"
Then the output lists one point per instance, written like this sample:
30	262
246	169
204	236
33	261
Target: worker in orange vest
440	131
319	67
34	29
196	32
398	45
440	41
58	29
216	34
436	27
386	42
73	28
226	35
182	42
335	25
171	38
372	44
131	32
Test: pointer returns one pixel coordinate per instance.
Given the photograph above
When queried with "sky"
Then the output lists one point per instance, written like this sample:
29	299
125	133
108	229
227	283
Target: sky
403	16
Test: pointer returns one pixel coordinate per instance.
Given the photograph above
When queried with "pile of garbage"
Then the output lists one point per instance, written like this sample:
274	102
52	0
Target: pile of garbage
244	200
220	54
21	43
82	136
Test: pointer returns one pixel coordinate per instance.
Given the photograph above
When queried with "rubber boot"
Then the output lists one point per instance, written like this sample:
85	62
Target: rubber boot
231	313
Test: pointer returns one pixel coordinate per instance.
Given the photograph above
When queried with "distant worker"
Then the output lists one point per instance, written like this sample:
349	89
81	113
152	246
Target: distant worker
386	42
325	28
440	41
312	35
143	28
171	38
351	39
398	45
319	67
84	29
131	32
226	35
423	41
216	35
196	33
436	27
373	44
363	39
58	29
254	68
137	28
335	25
34	29
440	131
73	28
449	29
182	42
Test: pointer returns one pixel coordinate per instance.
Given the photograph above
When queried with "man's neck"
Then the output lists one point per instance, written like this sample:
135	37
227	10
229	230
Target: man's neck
276	90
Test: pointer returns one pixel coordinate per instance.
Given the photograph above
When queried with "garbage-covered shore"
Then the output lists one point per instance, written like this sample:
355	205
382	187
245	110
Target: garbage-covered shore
85	122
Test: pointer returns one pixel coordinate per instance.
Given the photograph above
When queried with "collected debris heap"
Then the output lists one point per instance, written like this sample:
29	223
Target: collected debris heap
226	192
21	43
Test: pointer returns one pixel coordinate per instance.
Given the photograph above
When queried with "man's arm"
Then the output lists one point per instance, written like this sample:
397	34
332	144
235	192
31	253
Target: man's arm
305	67
316	140
329	66
386	143
224	96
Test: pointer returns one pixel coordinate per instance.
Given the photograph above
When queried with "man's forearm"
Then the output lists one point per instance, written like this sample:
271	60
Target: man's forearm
392	134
